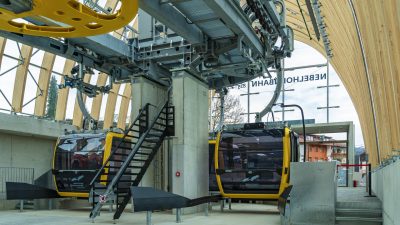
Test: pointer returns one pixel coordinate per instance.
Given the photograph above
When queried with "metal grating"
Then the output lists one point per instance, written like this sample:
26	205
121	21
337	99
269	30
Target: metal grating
205	18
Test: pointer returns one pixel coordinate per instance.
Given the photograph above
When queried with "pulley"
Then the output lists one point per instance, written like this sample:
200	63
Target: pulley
62	18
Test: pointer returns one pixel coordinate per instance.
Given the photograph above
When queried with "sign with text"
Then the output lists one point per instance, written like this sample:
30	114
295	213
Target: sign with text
260	82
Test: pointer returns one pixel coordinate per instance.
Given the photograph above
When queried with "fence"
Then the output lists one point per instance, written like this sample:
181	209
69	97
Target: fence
14	174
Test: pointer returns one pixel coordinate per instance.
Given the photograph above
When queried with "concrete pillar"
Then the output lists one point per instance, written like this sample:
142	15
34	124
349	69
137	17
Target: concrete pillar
351	153
190	145
147	91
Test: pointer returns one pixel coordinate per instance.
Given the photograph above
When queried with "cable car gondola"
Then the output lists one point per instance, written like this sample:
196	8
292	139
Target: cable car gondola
77	158
252	162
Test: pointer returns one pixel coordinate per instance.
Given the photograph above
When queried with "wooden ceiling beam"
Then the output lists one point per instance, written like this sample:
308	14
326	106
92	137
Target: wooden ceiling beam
123	111
63	93
20	78
44	81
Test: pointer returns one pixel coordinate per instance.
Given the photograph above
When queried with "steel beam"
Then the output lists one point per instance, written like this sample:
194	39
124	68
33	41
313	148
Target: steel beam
103	45
104	53
237	22
173	19
313	18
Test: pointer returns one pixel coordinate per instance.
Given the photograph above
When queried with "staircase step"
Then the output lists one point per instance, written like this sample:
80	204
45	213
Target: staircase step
129	142
131	136
143	153
365	213
117	160
152	141
160	124
121	154
138	160
123	148
112	167
115	173
359	205
118	167
122	181
135	167
156	129
146	147
358	221
133	130
153	135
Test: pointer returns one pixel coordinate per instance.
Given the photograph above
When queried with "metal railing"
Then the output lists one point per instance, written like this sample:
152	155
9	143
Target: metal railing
14	174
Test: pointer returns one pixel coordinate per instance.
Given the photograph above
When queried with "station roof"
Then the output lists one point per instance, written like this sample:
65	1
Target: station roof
364	37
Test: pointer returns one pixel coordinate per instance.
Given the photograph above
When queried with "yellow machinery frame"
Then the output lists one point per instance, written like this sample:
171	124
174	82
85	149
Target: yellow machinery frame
285	172
107	152
72	19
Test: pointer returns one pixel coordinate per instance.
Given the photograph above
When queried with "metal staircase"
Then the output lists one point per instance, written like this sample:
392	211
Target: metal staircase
130	158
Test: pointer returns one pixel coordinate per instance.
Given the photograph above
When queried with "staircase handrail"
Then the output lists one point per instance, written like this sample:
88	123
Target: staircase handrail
126	132
121	171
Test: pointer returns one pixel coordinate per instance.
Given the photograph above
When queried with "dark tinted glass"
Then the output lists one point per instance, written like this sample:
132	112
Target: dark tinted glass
76	160
211	168
80	153
251	161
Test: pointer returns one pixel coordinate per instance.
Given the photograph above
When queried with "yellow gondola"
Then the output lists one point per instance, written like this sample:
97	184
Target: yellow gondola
253	162
76	159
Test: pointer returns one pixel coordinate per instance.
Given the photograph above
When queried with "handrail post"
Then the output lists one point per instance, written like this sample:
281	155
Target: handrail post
369	180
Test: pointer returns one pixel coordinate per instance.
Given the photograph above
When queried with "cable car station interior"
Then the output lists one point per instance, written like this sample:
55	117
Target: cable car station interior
137	126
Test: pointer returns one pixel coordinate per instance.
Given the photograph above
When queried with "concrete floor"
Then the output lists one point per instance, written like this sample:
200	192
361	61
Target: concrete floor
243	214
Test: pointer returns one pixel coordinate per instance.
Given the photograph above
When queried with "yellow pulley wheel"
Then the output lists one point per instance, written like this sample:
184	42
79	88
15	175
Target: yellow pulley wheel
68	18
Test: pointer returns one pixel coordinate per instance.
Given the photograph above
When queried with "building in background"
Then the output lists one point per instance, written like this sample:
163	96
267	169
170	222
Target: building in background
324	148
339	152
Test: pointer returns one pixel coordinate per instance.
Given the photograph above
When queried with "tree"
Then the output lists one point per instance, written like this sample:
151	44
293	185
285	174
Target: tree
232	111
52	99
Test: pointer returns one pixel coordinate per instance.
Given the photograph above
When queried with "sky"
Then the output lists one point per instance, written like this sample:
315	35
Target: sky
306	94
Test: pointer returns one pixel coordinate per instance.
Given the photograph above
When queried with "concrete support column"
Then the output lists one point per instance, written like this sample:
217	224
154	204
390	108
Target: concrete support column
351	153
190	145
147	91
